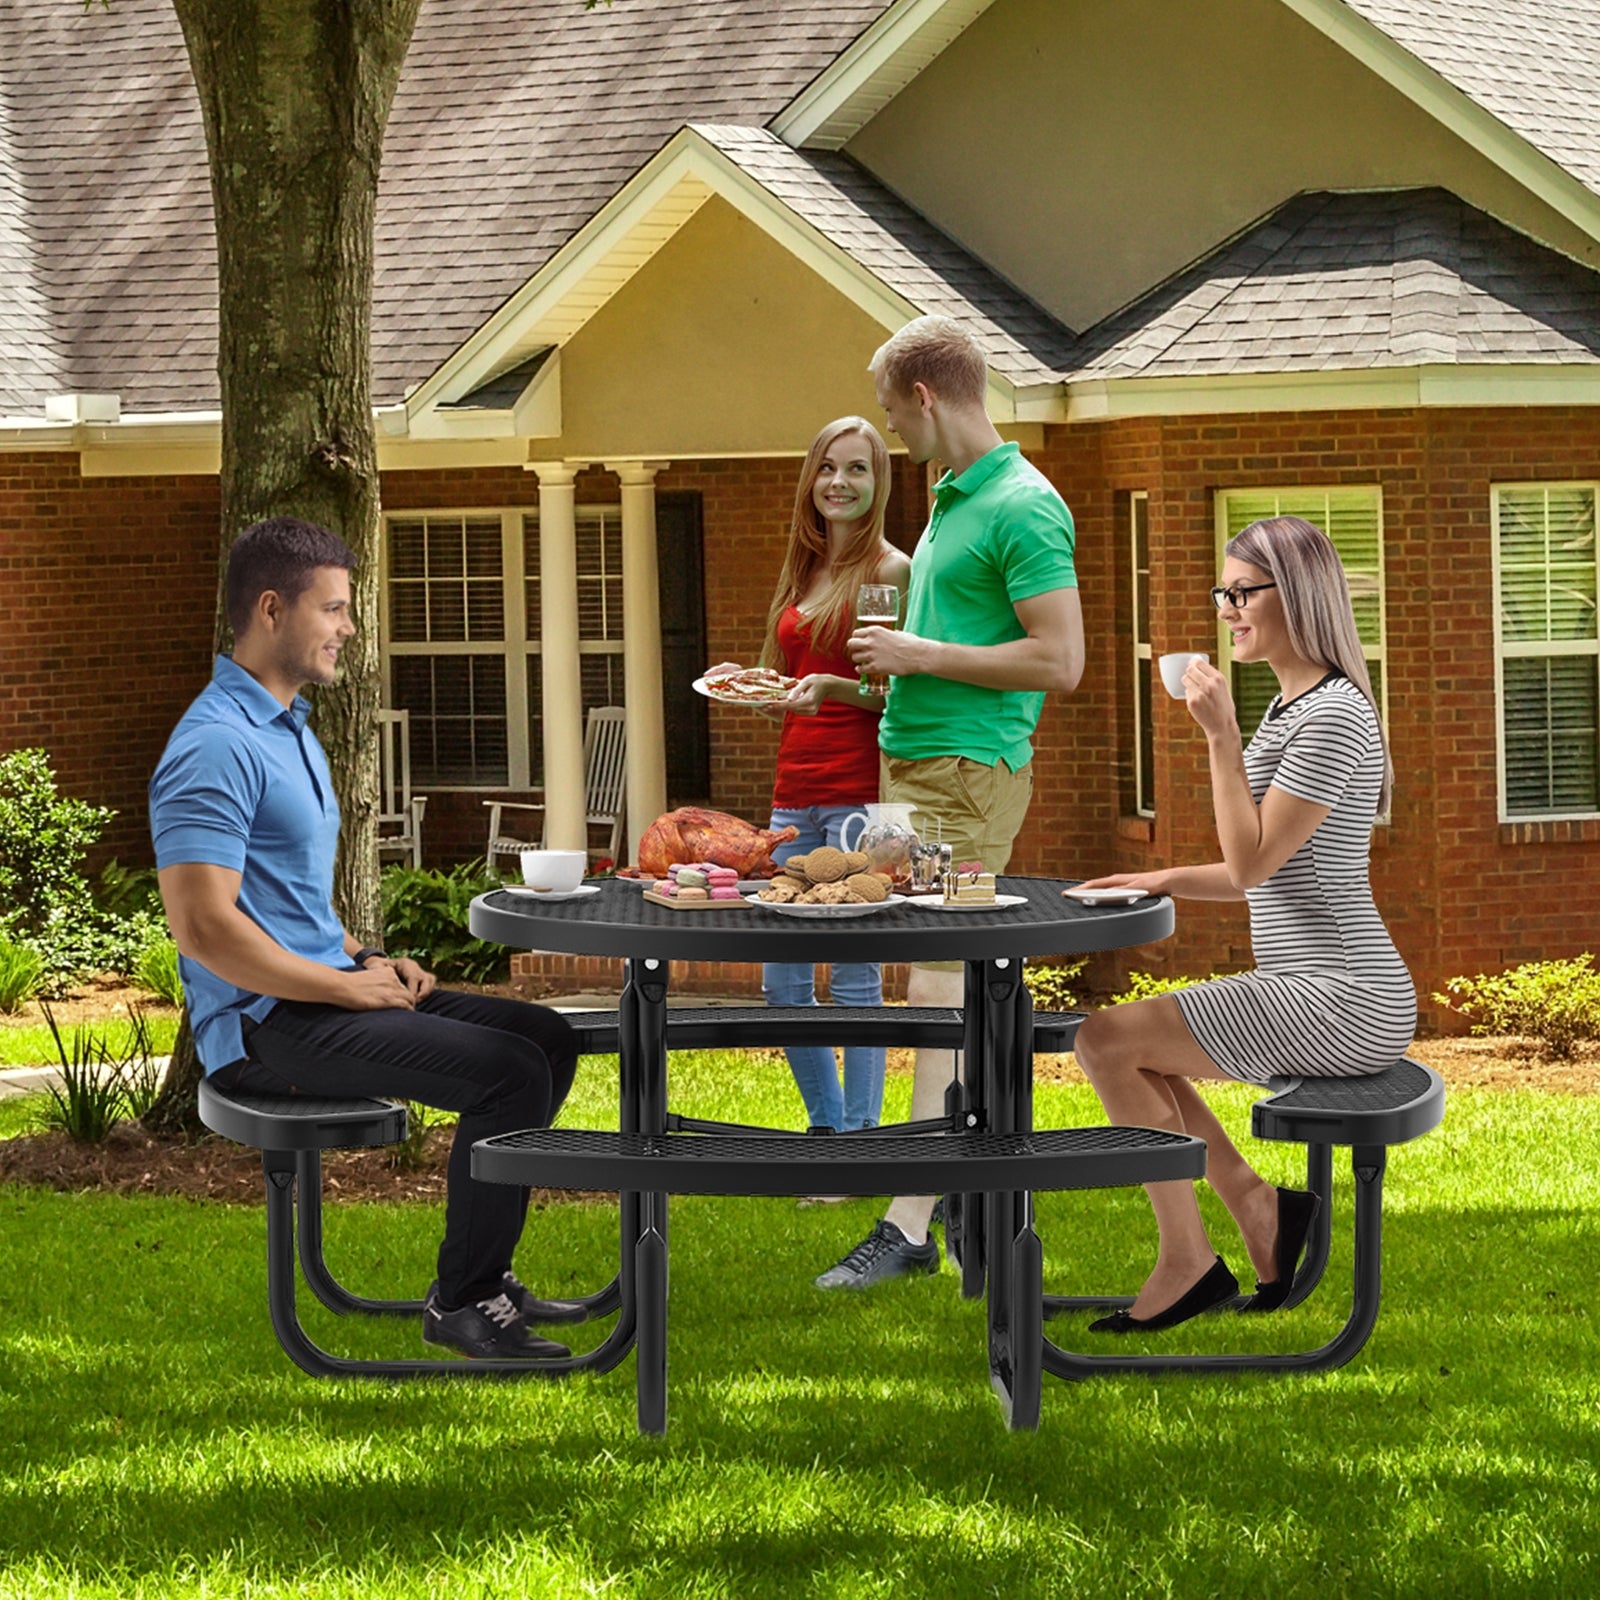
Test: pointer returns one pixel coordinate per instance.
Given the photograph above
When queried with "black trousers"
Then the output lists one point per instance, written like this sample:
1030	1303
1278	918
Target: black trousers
502	1064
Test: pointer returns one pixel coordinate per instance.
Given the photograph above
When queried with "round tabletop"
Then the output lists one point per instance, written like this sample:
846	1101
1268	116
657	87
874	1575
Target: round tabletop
619	921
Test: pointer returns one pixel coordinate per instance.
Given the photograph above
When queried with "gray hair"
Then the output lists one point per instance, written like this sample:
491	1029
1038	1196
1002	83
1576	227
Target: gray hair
1300	558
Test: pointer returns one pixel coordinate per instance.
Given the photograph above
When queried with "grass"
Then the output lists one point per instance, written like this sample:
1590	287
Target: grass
30	1044
154	1442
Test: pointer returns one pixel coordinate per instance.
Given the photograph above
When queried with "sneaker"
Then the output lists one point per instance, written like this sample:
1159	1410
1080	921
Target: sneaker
534	1309
884	1253
486	1330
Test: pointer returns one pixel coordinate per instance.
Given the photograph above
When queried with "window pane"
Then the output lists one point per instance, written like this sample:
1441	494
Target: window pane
458	717
1254	685
1552	712
429	562
1145	800
1141	570
1547	565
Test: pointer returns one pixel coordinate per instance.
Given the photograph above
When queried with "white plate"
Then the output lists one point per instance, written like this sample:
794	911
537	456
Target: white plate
789	909
708	687
551	894
1001	902
1107	897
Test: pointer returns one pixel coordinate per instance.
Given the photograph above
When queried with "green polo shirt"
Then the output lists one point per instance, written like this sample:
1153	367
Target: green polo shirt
998	534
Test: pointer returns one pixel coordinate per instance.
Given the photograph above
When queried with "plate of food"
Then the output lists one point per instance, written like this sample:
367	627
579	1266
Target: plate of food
826	913
1001	902
750	686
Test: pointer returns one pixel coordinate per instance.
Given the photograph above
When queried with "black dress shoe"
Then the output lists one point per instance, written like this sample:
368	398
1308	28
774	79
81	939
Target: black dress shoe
1216	1288
1297	1210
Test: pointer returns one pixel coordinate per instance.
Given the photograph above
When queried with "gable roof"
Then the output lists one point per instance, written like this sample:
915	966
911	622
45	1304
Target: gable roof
1352	281
515	121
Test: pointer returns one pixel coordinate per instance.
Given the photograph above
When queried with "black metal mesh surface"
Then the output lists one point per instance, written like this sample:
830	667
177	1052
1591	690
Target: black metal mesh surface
1396	1087
780	1163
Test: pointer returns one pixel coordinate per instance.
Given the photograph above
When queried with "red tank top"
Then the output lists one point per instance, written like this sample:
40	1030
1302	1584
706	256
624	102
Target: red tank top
830	759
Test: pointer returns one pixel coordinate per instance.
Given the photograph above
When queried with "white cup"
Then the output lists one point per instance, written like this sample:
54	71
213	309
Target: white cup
1173	668
558	870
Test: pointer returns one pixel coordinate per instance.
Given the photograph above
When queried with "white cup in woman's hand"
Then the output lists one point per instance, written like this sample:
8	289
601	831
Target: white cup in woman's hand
1173	668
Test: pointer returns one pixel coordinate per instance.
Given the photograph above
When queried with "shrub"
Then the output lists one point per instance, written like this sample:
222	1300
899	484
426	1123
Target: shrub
425	917
125	891
43	841
21	969
156	969
1146	986
1051	987
1554	1002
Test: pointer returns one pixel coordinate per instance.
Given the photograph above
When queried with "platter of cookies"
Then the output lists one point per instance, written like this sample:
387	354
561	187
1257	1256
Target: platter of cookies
827	883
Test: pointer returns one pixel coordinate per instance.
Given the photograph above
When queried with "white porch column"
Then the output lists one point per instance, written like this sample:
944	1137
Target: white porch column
558	634
641	649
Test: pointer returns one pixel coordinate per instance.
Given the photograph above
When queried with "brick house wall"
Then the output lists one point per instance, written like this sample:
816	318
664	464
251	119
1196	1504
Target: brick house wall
108	594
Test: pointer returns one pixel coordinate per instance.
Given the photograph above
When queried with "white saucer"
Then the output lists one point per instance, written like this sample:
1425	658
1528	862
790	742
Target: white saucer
1107	897
788	908
551	894
1001	902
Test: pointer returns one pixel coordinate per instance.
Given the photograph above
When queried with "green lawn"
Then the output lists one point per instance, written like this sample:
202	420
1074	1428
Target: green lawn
31	1044
154	1442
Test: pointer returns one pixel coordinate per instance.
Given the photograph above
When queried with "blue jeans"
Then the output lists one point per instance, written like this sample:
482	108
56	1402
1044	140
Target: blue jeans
859	983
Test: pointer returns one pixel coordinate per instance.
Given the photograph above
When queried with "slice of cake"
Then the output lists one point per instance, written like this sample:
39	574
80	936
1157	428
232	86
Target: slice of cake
969	888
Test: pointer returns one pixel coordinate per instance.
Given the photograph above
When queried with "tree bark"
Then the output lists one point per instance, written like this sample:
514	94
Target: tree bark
295	96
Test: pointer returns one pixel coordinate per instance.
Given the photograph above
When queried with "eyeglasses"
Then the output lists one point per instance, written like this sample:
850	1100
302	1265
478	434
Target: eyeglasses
1238	596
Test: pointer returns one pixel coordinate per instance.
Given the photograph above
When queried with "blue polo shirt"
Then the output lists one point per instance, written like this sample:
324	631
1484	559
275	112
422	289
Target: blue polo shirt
244	784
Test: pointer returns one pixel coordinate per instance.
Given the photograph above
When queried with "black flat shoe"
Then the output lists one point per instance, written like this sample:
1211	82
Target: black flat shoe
1297	1210
1216	1288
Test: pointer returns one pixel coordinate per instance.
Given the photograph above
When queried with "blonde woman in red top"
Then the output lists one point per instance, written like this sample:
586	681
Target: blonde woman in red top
828	755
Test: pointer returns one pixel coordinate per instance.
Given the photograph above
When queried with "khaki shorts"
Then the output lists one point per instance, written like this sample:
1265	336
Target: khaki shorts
976	810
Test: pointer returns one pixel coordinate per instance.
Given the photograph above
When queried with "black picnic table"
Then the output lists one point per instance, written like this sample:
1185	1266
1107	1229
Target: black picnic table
996	1160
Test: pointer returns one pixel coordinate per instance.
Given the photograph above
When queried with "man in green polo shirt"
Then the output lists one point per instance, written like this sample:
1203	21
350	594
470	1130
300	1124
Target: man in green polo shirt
992	624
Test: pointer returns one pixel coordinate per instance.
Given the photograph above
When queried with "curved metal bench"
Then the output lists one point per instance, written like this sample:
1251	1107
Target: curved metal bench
1369	1114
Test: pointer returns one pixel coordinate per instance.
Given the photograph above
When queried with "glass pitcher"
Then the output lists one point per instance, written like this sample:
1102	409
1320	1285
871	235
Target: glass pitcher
885	834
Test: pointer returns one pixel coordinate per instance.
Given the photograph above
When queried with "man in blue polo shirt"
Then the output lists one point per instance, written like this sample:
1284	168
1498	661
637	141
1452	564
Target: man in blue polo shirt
280	996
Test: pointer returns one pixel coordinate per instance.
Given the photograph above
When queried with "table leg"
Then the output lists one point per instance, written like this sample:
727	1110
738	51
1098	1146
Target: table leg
1015	1258
642	1020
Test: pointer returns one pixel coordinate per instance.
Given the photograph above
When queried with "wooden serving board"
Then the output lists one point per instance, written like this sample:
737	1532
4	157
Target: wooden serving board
674	904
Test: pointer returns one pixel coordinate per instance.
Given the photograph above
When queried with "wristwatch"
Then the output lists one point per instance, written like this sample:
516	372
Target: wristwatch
366	953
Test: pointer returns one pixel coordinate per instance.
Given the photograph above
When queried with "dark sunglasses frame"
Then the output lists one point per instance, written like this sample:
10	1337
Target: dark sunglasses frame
1238	595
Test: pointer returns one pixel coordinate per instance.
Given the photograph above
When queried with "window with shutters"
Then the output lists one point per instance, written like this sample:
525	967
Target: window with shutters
461	638
1547	649
1352	517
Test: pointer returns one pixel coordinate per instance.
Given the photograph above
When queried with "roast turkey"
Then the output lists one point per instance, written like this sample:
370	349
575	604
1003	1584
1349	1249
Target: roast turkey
692	833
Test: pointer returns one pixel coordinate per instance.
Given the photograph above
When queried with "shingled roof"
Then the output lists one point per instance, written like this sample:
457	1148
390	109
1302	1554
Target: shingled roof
515	121
1354	280
907	253
1533	64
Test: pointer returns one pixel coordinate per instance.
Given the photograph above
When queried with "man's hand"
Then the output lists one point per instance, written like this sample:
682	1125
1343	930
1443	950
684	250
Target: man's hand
878	650
419	982
377	987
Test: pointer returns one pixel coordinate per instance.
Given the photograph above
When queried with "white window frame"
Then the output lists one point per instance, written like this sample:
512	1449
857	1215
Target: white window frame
519	531
1143	782
1529	648
1298	492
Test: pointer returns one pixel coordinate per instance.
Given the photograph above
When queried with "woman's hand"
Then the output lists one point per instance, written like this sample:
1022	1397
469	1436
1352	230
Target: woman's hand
805	699
1205	692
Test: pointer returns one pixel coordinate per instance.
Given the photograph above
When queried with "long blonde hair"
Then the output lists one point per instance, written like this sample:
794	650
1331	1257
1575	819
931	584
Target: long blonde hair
1300	558
834	617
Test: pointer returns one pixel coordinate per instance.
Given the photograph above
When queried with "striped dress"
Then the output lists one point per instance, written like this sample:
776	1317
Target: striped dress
1330	996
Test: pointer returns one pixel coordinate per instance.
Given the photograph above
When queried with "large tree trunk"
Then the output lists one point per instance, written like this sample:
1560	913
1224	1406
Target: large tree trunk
295	95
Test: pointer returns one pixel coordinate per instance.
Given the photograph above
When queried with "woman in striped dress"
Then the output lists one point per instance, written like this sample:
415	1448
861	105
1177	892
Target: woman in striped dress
1329	994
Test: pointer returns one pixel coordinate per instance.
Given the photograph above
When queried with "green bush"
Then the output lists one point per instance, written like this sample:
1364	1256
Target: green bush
21	969
1051	987
156	969
1554	1002
122	891
425	917
1146	986
45	900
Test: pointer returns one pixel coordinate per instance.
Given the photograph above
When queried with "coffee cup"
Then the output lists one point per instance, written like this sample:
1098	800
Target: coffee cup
553	871
1173	668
